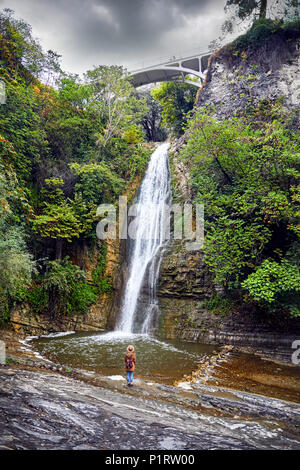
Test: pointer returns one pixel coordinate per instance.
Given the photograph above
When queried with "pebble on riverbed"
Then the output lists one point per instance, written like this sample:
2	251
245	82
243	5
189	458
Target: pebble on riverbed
204	370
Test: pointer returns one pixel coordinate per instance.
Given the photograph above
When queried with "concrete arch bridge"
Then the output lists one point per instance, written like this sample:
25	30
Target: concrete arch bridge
174	69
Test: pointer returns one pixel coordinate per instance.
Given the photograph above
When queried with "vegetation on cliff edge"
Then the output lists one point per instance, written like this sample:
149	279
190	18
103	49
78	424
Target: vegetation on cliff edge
66	145
246	173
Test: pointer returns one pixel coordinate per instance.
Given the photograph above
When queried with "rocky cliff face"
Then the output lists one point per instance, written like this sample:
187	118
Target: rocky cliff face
235	79
102	315
25	321
239	76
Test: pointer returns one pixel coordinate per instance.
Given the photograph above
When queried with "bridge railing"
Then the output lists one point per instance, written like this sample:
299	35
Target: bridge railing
167	60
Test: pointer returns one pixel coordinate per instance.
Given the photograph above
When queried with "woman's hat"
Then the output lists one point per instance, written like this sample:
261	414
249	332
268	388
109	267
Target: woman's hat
130	348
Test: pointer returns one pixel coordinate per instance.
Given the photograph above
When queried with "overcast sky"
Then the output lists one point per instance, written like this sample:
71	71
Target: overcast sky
123	32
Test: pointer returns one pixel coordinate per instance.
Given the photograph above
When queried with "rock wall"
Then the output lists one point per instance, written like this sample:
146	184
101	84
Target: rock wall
269	70
24	321
103	314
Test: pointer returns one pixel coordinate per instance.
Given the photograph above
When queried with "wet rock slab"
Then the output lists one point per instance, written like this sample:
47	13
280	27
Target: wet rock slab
248	404
43	410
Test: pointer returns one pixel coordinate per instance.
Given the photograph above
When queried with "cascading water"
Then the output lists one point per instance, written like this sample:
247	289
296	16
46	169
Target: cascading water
104	352
150	240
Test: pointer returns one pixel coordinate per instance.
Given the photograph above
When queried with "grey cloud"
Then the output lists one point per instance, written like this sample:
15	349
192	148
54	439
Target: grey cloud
88	32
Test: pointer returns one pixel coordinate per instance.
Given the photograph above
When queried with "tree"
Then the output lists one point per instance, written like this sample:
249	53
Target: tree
152	120
58	222
97	182
176	100
22	125
114	102
22	52
245	13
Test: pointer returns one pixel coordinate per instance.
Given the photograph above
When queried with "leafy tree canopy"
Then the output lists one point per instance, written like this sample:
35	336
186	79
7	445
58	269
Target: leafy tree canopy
247	176
176	100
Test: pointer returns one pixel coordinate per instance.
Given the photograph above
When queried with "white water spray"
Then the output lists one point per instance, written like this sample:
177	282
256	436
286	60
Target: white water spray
150	240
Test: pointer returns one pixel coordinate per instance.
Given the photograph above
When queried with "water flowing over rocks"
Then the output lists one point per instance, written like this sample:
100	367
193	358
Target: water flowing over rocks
49	411
148	243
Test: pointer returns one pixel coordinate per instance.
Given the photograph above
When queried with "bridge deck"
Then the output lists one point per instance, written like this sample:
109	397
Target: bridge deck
173	69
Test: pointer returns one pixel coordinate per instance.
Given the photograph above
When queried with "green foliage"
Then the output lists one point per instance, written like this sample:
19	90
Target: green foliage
176	100
57	222
63	151
151	121
52	192
102	285
245	8
68	293
114	102
37	297
263	29
82	297
134	135
219	305
137	162
233	244
271	279
22	125
16	263
61	276
66	282
246	174
74	93
19	48
260	19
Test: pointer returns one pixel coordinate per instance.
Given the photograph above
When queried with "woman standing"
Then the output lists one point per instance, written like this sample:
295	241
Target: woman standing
130	361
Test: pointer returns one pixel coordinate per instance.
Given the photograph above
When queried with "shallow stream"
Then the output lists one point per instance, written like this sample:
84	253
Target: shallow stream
169	360
160	361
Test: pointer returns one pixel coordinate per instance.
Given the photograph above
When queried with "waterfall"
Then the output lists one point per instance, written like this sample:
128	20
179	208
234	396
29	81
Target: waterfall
149	243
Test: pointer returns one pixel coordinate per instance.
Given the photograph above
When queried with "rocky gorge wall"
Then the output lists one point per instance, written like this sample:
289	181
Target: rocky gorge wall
25	321
239	75
186	292
235	78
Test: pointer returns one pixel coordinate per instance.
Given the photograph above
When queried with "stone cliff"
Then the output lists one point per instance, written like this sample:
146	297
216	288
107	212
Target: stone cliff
241	74
25	321
236	78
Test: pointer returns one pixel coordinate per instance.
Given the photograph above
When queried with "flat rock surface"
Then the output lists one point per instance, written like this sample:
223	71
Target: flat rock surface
45	410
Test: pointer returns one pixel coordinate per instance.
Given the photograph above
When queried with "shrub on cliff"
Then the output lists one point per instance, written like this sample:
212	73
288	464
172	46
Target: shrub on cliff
247	176
16	263
62	291
69	148
264	29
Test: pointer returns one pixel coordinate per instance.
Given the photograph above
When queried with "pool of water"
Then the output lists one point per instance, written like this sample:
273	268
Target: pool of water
160	361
